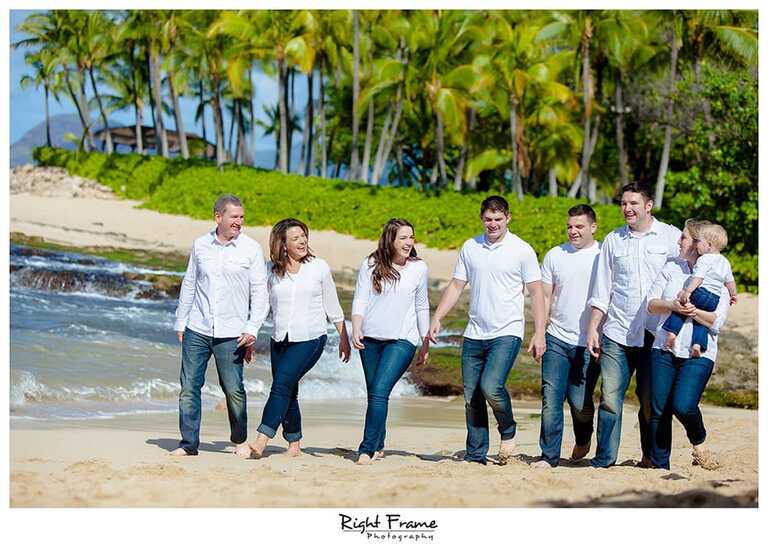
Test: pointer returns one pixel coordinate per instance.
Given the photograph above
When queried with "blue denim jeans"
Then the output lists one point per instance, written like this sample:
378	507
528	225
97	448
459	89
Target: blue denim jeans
196	350
702	299
676	388
567	372
485	365
290	362
384	363
617	364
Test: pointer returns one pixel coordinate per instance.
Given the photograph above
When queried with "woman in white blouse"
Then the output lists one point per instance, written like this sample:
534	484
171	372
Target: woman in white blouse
677	378
302	296
390	318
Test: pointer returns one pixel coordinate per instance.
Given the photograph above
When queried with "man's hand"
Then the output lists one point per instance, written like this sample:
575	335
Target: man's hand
434	329
537	346
245	340
593	342
734	299
248	356
685	309
180	335
423	353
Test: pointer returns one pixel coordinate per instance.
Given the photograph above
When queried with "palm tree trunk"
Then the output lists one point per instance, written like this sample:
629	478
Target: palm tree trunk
84	107
354	161
252	145
218	123
76	101
107	133
440	149
306	141
282	81
231	140
47	119
390	139
136	104
552	178
364	171
242	147
382	144
235	152
661	179
459	178
201	94
517	184
620	131
586	79
291	109
139	129
160	134
323	146
181	136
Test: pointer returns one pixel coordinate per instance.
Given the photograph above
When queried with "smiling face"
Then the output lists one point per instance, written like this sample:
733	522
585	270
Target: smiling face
581	231
495	223
296	242
230	222
636	210
403	243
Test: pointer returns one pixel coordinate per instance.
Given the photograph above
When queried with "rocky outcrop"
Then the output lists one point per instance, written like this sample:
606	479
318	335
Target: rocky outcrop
55	182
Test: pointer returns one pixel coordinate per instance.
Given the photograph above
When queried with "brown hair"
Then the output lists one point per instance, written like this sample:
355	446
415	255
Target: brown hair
381	259
278	249
643	188
494	203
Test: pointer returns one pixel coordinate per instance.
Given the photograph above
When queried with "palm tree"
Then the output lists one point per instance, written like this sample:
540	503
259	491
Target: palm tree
43	64
173	63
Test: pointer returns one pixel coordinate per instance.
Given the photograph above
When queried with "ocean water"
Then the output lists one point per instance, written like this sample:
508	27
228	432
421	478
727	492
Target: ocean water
84	346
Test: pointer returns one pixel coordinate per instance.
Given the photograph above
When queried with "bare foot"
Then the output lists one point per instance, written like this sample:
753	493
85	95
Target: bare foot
179	452
579	452
378	455
696	351
540	464
363	459
294	449
704	458
258	447
505	450
670	343
243	451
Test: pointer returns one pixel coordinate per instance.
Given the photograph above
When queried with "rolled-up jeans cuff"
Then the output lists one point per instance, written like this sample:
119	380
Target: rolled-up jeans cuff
264	429
292	436
508	435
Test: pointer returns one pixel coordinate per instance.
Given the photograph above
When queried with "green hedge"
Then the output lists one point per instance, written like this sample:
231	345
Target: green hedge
443	220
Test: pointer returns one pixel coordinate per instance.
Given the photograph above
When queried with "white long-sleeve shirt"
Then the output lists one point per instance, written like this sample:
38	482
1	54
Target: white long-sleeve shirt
224	291
670	281
302	303
401	310
627	266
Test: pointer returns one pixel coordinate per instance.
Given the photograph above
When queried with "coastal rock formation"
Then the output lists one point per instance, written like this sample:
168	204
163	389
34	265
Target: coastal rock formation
55	182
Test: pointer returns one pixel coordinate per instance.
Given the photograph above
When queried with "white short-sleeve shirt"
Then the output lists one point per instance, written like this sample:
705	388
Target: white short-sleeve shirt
715	269
497	274
571	272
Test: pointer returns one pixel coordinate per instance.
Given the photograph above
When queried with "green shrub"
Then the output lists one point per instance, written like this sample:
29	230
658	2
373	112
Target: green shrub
442	220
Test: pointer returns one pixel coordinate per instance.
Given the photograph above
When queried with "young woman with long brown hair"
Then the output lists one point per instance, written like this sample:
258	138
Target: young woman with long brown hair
390	318
302	297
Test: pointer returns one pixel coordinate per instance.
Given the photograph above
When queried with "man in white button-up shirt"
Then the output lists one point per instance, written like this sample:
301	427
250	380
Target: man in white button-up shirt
222	303
630	259
497	265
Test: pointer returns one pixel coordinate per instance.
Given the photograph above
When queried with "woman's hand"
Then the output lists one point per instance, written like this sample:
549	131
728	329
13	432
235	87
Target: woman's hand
344	349
686	309
423	357
357	338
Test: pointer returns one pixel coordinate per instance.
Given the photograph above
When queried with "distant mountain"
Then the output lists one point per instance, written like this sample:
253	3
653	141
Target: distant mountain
21	150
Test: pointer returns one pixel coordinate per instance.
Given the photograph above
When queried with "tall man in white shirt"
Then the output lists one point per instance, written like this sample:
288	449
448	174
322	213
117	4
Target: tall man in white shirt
630	259
222	303
568	371
497	265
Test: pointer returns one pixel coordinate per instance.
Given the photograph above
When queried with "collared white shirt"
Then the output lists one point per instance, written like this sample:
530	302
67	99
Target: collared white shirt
667	285
401	310
301	301
224	291
571	272
627	266
715	270
497	274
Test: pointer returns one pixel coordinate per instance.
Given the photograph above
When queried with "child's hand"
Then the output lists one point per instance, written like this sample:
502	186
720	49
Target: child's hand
682	297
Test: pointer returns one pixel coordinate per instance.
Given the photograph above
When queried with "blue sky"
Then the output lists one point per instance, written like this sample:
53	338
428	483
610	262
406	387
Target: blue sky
27	105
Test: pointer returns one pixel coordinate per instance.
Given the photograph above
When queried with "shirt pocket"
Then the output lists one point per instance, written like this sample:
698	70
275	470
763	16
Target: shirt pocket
205	265
656	257
625	261
234	265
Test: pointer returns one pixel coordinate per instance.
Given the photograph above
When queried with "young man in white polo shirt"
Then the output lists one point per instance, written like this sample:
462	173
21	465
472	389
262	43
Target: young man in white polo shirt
630	259
497	265
568	371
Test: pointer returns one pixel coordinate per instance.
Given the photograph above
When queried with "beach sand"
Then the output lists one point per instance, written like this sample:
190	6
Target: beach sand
123	462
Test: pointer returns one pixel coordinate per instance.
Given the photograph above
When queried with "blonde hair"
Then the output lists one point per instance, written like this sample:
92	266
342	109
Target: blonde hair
693	227
714	234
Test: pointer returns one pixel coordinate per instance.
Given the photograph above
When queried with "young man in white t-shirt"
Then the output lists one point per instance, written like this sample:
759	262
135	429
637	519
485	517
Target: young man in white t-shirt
568	371
497	265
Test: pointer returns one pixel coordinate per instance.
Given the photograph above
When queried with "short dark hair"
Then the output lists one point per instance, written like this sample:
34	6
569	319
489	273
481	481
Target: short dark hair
220	206
495	203
584	210
642	188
